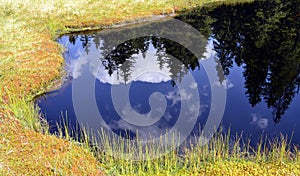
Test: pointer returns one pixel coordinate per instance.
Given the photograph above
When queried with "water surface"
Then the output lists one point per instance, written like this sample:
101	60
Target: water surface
256	45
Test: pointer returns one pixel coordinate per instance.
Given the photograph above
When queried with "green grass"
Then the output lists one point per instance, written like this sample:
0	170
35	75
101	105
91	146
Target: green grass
31	63
223	154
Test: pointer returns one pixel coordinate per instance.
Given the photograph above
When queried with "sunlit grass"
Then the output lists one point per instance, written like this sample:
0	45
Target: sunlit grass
224	154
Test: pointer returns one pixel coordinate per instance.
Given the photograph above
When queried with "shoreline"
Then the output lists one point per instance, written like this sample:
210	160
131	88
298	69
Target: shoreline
56	84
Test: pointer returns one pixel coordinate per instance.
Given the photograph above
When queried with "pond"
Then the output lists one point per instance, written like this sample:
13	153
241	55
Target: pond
151	82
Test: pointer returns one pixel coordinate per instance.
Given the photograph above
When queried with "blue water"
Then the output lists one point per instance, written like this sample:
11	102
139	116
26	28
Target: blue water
262	93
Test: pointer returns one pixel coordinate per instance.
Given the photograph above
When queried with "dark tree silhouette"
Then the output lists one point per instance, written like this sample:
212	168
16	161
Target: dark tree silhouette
262	37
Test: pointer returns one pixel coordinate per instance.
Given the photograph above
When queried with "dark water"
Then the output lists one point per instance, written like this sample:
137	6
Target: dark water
257	45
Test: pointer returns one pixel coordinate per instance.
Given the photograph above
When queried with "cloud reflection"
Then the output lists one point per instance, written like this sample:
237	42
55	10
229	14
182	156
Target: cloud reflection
260	122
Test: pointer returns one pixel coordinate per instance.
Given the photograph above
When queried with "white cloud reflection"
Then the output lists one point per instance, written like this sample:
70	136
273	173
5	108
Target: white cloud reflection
177	95
260	122
194	85
226	84
144	68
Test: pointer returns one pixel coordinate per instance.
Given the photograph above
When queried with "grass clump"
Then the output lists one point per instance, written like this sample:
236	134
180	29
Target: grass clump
224	154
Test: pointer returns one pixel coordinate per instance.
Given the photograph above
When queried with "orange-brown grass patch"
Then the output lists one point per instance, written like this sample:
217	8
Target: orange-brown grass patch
33	69
24	151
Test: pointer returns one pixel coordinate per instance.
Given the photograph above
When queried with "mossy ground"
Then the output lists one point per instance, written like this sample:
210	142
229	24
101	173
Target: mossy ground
30	62
27	152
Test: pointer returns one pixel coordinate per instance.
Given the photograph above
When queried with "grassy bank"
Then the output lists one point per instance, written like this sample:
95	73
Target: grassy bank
31	63
225	154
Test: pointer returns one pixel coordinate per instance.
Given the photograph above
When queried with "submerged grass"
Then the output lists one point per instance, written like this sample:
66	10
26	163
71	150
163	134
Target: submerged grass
31	62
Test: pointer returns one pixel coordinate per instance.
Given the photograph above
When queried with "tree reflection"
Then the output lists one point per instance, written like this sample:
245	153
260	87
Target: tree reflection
262	37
